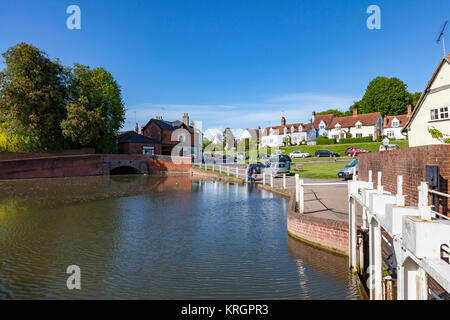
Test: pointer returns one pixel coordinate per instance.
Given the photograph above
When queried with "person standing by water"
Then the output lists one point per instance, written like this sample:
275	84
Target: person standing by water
250	173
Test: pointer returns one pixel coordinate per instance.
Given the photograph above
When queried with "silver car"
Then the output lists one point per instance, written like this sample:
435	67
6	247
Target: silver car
277	169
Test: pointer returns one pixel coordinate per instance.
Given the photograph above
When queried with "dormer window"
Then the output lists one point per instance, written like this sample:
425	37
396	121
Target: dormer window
395	123
358	125
292	129
338	126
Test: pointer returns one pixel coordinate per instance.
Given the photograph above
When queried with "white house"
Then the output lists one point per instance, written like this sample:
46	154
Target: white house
358	125
433	108
393	125
274	136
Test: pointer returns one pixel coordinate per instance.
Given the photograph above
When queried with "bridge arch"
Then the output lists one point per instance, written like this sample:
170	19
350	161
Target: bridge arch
128	167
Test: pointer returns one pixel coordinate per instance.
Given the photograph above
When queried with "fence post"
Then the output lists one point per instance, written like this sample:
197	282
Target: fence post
237	172
228	170
379	186
271	179
400	196
354	177
297	192
301	196
220	168
264	178
246	174
284	180
352	232
213	169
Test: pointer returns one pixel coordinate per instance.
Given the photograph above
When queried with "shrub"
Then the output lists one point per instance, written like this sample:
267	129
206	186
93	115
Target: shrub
325	141
355	140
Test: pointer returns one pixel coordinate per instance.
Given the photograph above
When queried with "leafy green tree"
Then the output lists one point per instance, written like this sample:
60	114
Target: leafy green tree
336	112
96	113
206	142
386	95
33	91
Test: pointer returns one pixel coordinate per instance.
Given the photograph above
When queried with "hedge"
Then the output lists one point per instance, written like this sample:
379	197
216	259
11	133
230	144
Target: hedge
355	140
325	141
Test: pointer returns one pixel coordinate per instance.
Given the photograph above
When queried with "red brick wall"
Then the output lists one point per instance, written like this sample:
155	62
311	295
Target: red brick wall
53	167
326	233
32	155
409	163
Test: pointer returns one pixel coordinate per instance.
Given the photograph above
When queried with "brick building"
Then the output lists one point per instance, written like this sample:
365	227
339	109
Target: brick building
130	142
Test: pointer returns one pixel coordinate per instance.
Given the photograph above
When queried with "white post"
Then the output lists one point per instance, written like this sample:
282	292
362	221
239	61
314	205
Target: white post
237	172
424	208
377	262
400	196
284	181
220	168
370	175
379	186
206	166
200	165
246	174
352	232
271	179
228	170
301	196
354	177
213	168
264	178
297	191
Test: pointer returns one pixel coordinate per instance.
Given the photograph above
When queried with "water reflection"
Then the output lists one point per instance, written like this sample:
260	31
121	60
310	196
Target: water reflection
143	237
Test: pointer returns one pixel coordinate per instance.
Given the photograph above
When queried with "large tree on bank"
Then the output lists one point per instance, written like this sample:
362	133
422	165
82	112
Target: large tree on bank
33	92
50	107
96	112
386	95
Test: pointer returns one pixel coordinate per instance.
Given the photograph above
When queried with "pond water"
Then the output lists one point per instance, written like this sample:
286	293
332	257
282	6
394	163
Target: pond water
143	237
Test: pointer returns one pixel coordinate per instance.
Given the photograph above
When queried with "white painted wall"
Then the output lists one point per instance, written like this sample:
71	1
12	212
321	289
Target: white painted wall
418	132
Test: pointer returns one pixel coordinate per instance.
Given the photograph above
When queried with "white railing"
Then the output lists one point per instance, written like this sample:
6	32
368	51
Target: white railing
229	170
420	240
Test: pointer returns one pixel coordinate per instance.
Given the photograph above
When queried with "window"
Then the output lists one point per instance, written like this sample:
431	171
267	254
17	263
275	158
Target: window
439	113
359	135
335	136
390	133
148	150
359	126
395	124
338	127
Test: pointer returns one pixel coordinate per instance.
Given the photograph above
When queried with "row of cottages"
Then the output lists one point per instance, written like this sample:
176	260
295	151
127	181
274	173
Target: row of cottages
274	136
432	109
357	125
159	137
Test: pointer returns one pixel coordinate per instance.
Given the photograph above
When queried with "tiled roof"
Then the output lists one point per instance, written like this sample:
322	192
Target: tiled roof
368	119
327	118
403	119
306	127
133	137
169	125
281	128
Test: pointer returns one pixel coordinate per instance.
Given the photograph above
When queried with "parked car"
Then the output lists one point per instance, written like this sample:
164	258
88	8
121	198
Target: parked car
388	147
258	167
241	156
208	158
277	169
347	171
326	153
355	151
263	156
299	154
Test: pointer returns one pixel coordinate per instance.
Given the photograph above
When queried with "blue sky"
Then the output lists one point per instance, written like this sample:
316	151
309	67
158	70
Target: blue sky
233	63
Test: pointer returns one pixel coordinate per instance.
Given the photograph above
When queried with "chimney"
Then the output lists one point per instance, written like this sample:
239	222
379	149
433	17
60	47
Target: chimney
313	116
386	121
283	121
137	128
186	119
142	130
192	124
410	109
159	118
355	112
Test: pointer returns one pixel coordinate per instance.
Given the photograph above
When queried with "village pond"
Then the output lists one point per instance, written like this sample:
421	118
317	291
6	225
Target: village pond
144	237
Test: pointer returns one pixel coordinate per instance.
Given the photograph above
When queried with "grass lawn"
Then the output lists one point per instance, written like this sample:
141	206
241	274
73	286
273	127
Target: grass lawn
340	148
320	170
320	159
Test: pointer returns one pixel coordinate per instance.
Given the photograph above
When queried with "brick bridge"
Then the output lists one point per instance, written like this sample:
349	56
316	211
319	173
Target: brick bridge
43	165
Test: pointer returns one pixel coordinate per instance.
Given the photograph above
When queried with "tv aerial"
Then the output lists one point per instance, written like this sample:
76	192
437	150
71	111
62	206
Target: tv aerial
441	36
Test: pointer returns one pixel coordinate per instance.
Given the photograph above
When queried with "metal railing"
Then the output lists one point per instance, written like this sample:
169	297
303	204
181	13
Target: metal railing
420	241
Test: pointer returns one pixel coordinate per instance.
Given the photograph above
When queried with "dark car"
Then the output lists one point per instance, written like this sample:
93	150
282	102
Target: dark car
283	158
257	167
326	153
